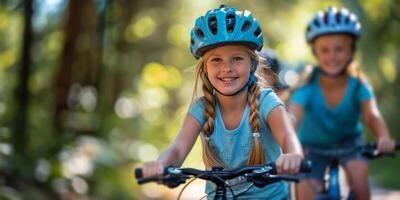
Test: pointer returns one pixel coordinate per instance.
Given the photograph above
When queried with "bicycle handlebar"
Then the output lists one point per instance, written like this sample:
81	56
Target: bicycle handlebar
260	175
369	150
375	145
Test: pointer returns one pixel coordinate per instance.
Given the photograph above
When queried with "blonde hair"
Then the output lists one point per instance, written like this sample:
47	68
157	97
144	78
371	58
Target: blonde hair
210	158
266	77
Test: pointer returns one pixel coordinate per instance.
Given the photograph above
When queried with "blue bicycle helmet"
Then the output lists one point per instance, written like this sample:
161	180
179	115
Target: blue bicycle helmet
333	21
225	25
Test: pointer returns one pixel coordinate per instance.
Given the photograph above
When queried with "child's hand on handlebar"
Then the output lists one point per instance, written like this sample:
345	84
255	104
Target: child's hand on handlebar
289	163
386	144
153	168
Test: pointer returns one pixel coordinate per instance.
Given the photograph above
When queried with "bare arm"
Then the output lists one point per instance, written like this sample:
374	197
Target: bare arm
374	120
285	135
178	150
283	131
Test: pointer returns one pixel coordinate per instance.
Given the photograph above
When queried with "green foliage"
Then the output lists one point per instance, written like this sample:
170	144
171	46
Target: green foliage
126	107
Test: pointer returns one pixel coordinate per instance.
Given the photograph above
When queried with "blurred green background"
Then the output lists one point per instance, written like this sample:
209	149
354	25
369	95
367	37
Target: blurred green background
91	89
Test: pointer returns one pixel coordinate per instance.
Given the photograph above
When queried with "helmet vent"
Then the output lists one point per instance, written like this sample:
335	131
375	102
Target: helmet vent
246	26
326	19
199	33
230	22
347	20
212	24
257	32
316	22
337	17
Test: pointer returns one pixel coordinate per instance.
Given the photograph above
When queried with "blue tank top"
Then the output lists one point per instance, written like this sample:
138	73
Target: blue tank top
233	146
324	126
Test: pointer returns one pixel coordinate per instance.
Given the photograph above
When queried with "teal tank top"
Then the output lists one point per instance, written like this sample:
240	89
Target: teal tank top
324	126
233	146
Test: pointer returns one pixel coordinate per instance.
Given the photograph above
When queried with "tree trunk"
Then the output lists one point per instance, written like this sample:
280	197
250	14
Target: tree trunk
79	60
20	137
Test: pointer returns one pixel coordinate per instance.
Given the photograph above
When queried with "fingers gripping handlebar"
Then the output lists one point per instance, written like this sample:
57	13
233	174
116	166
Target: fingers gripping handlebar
260	175
370	151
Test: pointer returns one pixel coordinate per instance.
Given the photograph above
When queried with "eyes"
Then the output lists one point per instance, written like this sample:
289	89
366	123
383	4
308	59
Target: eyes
325	49
336	49
234	59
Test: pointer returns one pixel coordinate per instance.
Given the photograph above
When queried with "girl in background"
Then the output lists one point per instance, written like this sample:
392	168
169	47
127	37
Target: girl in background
327	108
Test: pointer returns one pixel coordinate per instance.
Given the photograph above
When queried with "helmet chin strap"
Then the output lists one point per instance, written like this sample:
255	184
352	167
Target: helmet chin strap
251	81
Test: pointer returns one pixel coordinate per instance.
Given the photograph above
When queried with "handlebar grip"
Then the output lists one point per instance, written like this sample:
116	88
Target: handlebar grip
305	167
375	145
138	173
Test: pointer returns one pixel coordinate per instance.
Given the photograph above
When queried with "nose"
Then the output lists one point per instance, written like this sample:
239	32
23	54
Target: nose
330	56
227	66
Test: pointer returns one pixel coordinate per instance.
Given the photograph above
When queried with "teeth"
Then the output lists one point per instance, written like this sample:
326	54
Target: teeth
227	79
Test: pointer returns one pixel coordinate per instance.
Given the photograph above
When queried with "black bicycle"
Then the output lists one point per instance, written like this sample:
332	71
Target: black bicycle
331	187
260	176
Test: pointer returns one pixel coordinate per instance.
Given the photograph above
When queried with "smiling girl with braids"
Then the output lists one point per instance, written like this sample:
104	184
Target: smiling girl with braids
239	123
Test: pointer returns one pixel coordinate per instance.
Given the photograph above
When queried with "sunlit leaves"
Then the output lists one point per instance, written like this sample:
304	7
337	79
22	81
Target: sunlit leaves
152	94
146	82
84	97
153	98
88	98
53	43
5	149
3	108
170	56
376	10
147	152
79	185
10	27
126	107
141	28
42	170
157	75
178	35
3	20
7	58
388	69
172	128
79	159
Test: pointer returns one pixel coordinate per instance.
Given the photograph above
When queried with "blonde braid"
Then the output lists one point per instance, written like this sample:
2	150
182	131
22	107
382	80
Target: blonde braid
209	107
257	155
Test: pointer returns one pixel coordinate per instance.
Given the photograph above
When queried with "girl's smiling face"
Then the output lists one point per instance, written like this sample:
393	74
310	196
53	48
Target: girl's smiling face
228	68
333	52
